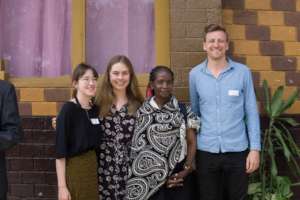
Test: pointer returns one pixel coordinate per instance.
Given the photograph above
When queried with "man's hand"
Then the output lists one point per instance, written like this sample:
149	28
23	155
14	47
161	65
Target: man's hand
252	161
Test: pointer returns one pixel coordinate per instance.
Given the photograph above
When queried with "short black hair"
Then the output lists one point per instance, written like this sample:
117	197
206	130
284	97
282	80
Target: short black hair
157	69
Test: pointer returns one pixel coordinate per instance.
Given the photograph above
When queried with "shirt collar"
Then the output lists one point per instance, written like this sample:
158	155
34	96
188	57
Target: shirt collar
229	67
173	101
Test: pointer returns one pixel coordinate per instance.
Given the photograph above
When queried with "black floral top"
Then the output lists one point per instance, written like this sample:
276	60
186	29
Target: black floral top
113	153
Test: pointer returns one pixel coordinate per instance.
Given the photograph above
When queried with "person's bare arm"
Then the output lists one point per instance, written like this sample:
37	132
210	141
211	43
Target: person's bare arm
63	192
177	179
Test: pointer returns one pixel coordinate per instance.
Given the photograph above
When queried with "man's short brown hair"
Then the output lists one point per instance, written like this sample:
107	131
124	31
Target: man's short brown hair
212	28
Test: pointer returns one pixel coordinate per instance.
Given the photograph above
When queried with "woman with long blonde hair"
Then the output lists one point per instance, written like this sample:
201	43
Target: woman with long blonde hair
118	98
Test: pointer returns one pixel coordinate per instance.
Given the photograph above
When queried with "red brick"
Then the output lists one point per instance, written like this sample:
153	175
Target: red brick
31	150
43	190
292	78
57	94
254	32
256	78
44	164
292	18
237	58
18	164
284	63
245	17
284	5
51	178
14	198
272	48
14	177
22	190
33	177
233	4
13	152
36	123
39	136
259	92
25	108
49	151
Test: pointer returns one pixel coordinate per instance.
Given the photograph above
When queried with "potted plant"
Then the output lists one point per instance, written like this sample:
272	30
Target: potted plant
277	140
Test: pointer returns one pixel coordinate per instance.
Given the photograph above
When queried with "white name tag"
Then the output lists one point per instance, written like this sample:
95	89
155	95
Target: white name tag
233	93
95	121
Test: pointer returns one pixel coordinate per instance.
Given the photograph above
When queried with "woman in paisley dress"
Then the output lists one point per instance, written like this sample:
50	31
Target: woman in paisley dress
163	145
119	98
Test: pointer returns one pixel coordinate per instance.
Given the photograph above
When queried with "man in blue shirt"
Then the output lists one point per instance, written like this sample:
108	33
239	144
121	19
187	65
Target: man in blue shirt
228	144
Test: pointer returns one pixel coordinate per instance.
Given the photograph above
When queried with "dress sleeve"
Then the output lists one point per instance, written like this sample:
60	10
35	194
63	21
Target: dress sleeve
63	131
193	121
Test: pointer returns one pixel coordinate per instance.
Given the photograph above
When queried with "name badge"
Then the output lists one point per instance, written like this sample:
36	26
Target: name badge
233	93
95	121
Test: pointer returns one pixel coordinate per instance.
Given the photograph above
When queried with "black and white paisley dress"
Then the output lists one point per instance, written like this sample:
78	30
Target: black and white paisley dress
157	146
113	154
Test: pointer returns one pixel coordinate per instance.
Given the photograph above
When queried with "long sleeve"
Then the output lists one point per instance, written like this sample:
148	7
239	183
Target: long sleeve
252	116
194	98
10	128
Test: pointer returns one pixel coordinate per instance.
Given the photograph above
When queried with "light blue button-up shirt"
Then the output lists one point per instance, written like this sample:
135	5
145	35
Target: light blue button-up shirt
227	107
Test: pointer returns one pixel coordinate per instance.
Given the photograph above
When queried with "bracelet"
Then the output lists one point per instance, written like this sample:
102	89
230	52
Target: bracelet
187	167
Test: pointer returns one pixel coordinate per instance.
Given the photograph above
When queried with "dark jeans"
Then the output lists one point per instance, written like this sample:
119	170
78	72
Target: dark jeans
222	176
3	178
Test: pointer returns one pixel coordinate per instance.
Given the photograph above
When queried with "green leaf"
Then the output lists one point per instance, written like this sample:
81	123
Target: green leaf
289	138
289	121
277	102
271	153
267	97
289	102
254	188
286	150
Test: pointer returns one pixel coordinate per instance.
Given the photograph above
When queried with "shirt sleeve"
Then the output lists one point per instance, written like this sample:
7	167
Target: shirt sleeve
63	131
10	129
194	98
251	111
193	121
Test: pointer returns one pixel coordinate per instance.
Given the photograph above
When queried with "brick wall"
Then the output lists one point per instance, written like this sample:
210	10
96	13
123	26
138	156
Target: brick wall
188	19
30	164
265	35
41	101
